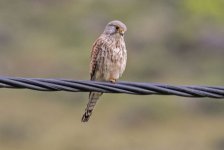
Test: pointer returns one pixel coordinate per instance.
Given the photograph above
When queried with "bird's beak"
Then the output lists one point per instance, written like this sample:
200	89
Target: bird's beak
121	32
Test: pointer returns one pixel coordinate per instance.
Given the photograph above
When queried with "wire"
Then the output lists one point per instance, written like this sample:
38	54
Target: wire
138	88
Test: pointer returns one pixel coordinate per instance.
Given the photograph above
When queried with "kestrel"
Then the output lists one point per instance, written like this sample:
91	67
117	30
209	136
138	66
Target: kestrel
108	60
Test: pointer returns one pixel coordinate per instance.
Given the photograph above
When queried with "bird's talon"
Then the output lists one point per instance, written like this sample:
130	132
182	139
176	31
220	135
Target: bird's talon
112	80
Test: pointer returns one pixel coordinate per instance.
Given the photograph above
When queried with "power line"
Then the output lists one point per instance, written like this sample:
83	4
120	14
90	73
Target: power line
138	88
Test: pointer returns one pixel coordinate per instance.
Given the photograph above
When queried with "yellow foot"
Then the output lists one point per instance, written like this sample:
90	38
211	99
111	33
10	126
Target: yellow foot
112	80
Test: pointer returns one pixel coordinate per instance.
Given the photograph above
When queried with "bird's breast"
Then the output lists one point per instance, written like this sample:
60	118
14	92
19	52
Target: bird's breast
116	62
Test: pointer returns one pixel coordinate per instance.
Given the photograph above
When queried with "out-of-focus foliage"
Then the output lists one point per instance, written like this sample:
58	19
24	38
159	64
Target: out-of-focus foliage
168	41
206	8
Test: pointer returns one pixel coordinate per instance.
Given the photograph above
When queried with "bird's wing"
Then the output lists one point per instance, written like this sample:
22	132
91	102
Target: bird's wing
96	50
94	67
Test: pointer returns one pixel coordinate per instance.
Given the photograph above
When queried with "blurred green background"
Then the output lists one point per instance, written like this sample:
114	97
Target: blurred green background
168	41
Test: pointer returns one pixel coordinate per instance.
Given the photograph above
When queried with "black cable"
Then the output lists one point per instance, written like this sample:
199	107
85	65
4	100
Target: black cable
137	88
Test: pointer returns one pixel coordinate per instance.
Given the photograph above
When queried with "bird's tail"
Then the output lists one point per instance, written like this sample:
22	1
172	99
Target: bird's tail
93	97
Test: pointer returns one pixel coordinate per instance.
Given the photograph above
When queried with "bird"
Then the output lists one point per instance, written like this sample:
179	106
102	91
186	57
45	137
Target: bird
108	60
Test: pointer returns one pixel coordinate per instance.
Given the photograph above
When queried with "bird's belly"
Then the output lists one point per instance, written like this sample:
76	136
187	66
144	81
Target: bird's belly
114	67
113	71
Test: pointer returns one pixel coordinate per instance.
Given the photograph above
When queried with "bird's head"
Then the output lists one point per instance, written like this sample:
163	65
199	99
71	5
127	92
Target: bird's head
115	28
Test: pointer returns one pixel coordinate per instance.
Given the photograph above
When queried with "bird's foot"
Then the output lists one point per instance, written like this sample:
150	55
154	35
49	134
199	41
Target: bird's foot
112	80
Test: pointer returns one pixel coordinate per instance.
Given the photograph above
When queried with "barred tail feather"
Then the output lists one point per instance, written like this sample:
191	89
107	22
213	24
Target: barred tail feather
93	97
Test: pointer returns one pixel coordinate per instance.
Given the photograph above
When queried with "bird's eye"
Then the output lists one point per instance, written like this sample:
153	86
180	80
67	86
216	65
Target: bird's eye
117	27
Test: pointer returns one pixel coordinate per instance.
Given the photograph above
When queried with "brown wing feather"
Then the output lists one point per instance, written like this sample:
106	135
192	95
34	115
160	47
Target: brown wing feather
93	96
97	47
